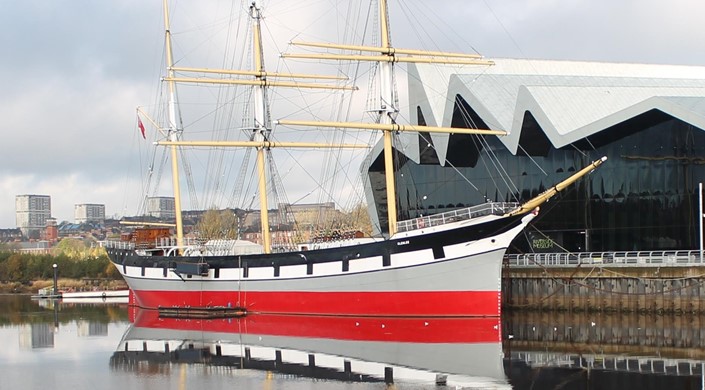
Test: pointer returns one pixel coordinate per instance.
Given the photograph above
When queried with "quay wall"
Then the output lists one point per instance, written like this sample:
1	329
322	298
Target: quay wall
669	286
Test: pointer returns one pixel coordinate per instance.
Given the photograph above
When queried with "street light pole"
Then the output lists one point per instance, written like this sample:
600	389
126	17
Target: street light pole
700	218
56	287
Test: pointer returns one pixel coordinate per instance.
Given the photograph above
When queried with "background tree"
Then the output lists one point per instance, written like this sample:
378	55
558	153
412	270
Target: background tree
70	247
218	224
22	267
12	269
358	218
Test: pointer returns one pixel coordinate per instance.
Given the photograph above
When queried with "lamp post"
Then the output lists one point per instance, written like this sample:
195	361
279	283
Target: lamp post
56	287
700	219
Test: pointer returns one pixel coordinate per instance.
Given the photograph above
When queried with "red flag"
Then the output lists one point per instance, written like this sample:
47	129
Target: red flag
141	126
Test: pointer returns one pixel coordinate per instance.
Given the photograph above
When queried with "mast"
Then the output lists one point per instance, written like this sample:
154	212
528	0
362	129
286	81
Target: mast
260	125
260	137
386	115
173	131
387	110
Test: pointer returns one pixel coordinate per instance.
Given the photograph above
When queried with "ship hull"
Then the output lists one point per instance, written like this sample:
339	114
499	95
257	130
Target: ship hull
450	272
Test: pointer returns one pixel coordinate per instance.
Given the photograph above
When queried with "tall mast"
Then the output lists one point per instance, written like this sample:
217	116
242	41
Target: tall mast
387	110
260	125
387	114
173	131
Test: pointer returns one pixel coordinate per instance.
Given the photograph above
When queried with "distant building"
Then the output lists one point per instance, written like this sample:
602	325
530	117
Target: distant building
308	214
307	207
162	207
34	247
9	235
72	229
51	232
89	212
32	212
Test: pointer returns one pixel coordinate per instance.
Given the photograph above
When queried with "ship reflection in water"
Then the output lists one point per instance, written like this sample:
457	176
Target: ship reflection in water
458	352
538	350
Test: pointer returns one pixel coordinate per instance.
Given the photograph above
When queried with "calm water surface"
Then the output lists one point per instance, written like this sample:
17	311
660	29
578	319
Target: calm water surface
62	345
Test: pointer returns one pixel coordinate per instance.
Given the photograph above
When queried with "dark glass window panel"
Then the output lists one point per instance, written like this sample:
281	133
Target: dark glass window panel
644	197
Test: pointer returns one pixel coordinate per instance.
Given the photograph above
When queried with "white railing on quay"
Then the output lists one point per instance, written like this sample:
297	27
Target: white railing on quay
490	208
620	259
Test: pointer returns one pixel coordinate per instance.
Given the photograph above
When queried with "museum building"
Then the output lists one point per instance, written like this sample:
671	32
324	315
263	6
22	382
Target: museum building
560	115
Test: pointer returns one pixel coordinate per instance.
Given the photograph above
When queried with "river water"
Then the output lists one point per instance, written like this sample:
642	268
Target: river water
104	345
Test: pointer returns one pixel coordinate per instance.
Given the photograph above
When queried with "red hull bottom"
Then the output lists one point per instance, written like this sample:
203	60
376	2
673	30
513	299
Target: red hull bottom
417	303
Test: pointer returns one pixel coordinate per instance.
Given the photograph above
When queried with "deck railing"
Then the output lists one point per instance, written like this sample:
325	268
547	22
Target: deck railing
117	244
491	208
620	259
164	242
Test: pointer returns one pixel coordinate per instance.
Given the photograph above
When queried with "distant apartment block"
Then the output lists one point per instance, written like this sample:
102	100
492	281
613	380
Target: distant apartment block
32	212
89	212
161	207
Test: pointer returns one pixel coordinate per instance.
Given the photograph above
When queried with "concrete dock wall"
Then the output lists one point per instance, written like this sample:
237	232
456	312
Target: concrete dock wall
605	288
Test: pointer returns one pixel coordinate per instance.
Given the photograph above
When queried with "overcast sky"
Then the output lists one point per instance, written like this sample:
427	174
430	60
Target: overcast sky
73	71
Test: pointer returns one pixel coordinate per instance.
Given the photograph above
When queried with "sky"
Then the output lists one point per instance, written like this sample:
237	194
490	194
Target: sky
72	72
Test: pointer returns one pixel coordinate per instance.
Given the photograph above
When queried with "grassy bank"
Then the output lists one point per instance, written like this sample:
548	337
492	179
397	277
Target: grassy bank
64	284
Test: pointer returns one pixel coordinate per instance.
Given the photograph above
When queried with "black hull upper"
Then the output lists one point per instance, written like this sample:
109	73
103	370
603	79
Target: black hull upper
433	240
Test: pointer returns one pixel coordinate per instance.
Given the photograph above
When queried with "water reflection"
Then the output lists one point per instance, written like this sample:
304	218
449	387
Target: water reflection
41	335
39	324
453	351
602	351
36	336
57	345
108	346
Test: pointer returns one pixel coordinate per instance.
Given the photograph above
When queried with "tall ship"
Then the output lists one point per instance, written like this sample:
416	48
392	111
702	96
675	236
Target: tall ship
442	265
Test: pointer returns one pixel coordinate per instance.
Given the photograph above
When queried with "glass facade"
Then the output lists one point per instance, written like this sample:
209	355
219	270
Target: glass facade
644	197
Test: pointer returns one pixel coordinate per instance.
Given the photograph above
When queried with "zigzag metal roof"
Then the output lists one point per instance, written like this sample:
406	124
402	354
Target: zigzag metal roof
569	100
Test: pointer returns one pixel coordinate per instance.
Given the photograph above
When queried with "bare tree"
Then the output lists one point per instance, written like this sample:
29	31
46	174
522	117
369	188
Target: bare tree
218	224
359	219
